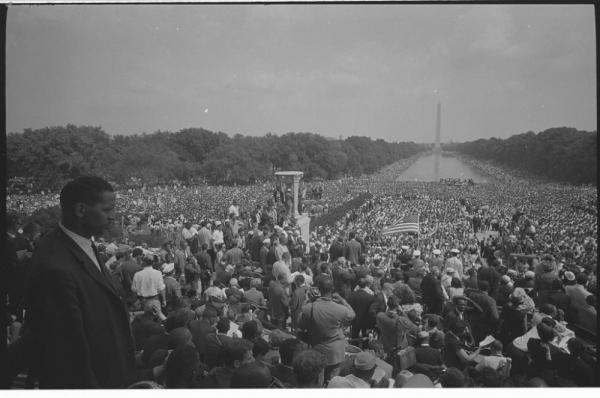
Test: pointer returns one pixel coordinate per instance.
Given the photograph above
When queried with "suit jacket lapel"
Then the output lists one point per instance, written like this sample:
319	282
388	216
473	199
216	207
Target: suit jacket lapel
100	276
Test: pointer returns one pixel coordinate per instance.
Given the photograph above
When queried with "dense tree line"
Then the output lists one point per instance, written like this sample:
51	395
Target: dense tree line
560	154
53	155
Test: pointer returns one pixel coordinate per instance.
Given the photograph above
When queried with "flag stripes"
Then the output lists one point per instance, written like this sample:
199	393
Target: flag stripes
410	223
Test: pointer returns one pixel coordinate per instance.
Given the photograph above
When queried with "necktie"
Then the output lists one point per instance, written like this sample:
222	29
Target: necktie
97	257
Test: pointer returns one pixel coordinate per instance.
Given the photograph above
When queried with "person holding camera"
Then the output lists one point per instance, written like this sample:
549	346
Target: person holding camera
323	319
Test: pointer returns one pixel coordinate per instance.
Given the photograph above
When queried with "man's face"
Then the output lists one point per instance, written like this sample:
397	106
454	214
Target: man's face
461	305
98	217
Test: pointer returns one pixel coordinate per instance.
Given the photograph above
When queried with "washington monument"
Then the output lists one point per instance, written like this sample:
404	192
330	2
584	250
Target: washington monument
437	149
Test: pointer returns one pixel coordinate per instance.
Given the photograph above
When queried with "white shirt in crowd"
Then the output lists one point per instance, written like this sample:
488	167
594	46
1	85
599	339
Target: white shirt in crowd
235	210
188	233
147	282
218	237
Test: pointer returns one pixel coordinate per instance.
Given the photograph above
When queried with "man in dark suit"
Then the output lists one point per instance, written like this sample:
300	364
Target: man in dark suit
337	249
201	328
77	332
431	288
486	321
379	303
130	266
429	359
214	343
353	249
288	351
360	301
425	354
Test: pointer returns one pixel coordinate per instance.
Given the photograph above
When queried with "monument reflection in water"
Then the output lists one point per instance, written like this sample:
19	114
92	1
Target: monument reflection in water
444	166
432	167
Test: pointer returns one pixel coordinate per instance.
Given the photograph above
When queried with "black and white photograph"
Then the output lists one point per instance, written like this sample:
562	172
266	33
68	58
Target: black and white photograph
306	195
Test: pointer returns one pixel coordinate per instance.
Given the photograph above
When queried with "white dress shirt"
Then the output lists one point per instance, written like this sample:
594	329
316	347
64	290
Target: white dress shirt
83	242
148	282
218	237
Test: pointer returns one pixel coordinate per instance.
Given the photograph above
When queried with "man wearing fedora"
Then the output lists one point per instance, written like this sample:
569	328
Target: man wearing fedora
363	370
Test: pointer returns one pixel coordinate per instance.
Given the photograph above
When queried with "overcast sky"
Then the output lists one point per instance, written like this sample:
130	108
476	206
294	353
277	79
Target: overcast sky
375	70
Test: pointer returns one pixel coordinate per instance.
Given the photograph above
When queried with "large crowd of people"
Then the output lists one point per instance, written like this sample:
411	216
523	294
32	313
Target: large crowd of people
499	288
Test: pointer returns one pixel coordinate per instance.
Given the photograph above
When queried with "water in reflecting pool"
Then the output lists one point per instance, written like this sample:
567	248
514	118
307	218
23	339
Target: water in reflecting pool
426	169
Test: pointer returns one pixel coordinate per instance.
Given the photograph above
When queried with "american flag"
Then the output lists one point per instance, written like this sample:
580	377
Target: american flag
410	223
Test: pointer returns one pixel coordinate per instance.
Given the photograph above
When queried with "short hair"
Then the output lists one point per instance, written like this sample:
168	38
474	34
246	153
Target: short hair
179	337
453	378
179	318
260	347
484	286
287	349
324	268
299	279
545	332
548	309
362	283
436	340
351	235
31	227
223	325
393	301
576	346
87	189
181	366
149	260
235	350
252	375
489	377
137	252
307	366
250	330
325	285
548	321
496	345
456	283
591	300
